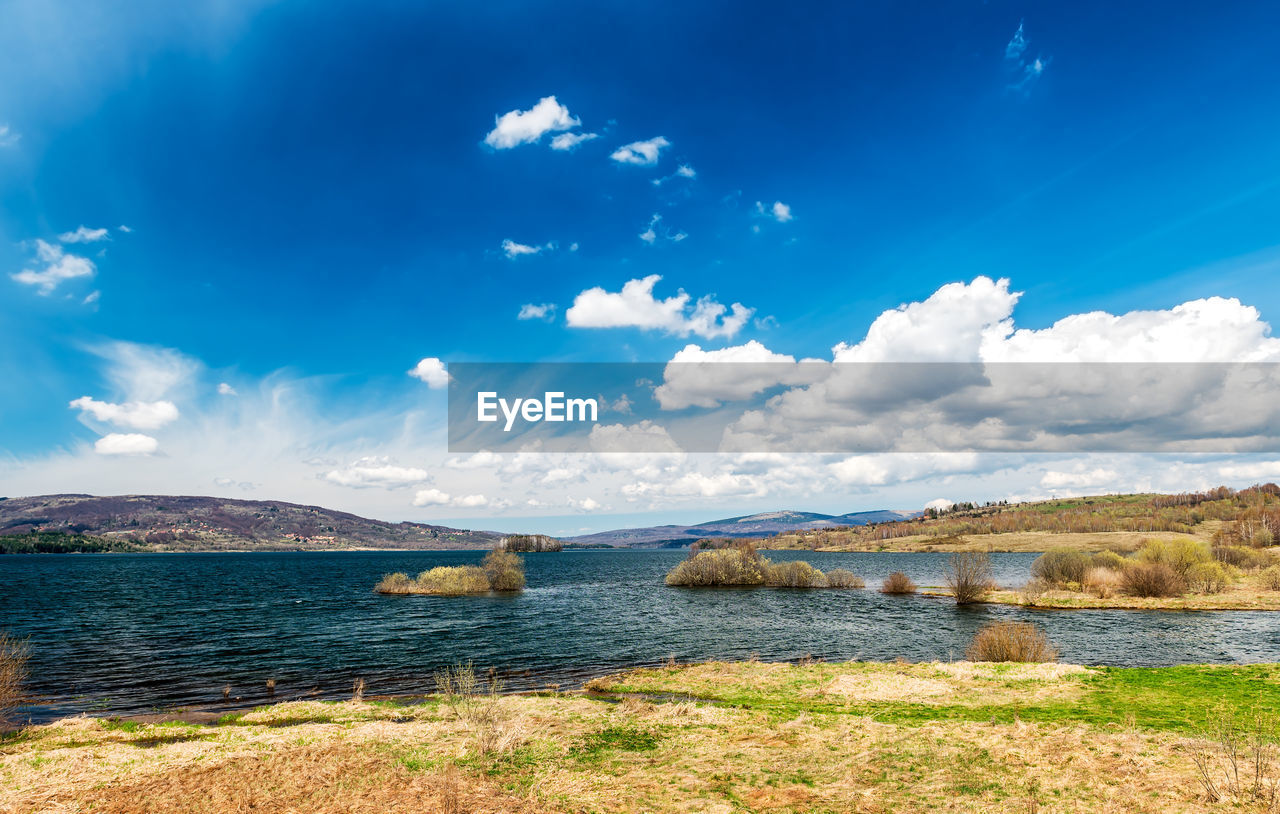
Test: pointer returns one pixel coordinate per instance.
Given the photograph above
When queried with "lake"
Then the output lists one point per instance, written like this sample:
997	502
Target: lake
131	633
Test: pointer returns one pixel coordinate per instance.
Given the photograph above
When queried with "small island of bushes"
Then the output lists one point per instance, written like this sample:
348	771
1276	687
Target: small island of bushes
742	566
501	571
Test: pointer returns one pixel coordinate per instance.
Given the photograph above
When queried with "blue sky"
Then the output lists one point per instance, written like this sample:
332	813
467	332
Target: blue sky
312	208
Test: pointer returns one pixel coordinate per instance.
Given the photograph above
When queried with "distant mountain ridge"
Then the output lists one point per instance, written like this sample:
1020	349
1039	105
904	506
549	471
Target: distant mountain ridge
751	525
190	523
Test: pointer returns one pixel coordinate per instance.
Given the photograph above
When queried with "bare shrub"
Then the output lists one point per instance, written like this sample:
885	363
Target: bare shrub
1152	579
504	570
1207	578
968	576
1179	555
476	705
398	583
721	566
1033	592
13	672
1270	578
1102	582
357	690
452	581
1061	566
1011	641
1236	759
842	578
797	574
898	583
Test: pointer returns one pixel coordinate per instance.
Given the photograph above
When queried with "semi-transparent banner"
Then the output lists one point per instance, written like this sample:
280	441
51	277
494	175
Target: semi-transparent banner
816	406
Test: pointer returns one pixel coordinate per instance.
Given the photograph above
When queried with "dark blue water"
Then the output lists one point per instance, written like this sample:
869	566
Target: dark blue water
136	633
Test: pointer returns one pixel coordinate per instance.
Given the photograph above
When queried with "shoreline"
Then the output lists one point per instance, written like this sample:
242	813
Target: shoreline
713	736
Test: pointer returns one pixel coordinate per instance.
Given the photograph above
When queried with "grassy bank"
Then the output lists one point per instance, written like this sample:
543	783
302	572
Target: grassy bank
710	737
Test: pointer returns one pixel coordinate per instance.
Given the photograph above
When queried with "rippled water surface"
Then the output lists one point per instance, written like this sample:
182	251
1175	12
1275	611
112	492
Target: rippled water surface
134	633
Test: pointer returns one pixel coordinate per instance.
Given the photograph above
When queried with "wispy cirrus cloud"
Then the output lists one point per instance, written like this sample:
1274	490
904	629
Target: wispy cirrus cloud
84	234
514	250
1023	72
545	311
55	267
570	141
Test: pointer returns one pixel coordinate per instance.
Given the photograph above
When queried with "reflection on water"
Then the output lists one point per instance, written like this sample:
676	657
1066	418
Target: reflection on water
132	633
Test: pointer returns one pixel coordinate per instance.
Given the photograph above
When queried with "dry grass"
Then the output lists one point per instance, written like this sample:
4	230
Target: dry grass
572	754
1011	641
1103	583
1235	597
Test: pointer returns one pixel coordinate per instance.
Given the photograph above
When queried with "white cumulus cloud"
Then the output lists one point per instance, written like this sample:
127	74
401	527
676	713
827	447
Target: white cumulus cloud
640	153
125	444
636	307
431	371
376	470
138	415
518	127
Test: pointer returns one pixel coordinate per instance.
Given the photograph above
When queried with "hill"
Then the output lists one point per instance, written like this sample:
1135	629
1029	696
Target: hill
752	525
1245	517
185	523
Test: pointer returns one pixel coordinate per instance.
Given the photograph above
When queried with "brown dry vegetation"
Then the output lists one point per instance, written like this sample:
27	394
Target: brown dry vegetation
1162	573
1011	641
753	736
13	672
898	583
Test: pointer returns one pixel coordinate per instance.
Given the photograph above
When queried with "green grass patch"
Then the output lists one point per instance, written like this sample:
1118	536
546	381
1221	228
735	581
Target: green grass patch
616	738
1164	698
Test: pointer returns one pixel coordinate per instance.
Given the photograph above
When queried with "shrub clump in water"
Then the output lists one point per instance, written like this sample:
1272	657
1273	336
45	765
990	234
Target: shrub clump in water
898	583
504	570
1011	641
501	571
969	576
841	578
742	566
